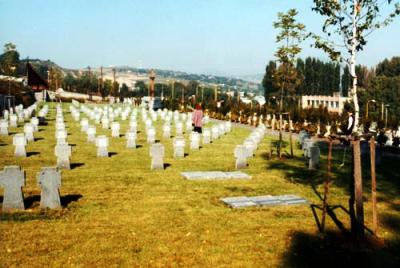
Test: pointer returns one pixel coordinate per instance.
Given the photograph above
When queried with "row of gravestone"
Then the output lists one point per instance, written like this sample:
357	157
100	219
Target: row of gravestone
247	149
310	149
12	180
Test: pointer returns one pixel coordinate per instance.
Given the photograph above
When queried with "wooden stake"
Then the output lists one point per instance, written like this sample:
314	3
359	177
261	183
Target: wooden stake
373	186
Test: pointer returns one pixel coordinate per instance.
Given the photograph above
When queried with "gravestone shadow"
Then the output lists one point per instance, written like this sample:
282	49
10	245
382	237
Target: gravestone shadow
76	165
67	199
29	154
34	200
139	146
166	165
39	139
111	154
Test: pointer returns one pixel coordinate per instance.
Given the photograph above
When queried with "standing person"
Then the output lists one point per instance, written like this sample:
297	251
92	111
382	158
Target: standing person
197	118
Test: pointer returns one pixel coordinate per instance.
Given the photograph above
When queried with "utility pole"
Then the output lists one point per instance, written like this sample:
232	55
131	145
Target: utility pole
114	91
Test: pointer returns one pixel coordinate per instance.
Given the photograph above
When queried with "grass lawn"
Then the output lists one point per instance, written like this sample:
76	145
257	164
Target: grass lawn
117	212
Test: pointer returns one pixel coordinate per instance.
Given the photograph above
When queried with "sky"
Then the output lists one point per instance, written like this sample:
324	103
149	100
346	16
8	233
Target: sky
223	37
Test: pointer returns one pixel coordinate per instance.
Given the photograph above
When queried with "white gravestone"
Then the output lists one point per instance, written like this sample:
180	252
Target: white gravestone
151	135
105	123
228	127
166	131
91	134
63	154
179	147
84	124
130	139
49	180
35	123
314	154
28	130
13	120
194	141
19	141
157	156
241	154
189	126
221	129
12	179
206	136
102	146
250	146
178	129
115	129
61	136
214	133
4	127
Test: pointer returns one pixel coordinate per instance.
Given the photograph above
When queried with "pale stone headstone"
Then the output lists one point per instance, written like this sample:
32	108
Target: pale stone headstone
250	146
5	115
63	153
13	120
178	129
133	126
130	139
214	133
241	154
91	134
28	130
328	131
151	135
206	136
12	179
84	124
307	144
102	146
49	180
194	141
221	129
105	123
189	126
157	156
179	147
4	127
61	136
314	154
35	123
166	131
115	129
228	127
19	141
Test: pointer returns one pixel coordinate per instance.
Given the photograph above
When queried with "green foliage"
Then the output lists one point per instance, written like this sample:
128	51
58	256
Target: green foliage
389	68
268	80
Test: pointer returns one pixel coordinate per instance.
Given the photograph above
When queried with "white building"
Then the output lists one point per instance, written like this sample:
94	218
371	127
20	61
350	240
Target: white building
334	103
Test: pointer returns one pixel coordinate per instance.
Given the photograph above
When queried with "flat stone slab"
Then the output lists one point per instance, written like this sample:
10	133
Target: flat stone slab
215	175
264	200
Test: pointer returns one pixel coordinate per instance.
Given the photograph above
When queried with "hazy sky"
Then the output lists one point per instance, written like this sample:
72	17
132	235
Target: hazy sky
232	37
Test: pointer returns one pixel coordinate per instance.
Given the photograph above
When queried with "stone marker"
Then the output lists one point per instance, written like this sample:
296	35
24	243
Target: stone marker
12	179
102	146
4	127
178	129
130	139
63	153
179	147
189	126
35	123
157	156
91	134
194	141
49	180
214	133
166	131
105	123
28	130
250	147
215	175
314	154
84	124
13	120
115	129
241	154
19	141
61	136
206	136
151	135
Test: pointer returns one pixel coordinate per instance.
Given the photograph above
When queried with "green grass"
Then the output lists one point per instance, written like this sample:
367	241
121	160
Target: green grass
117	212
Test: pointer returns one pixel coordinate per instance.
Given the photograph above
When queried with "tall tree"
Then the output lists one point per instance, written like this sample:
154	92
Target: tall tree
352	21
268	80
291	34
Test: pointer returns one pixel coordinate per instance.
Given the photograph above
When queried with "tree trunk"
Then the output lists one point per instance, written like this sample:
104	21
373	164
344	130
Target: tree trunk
353	67
373	186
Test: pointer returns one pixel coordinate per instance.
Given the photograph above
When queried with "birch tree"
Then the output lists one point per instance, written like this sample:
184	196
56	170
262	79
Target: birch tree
351	22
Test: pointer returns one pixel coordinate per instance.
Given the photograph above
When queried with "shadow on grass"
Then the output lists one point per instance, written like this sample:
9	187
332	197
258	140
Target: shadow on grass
76	165
29	154
39	139
111	154
139	146
166	165
34	200
339	250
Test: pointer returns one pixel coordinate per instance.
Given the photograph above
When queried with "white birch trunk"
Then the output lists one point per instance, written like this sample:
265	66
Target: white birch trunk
353	74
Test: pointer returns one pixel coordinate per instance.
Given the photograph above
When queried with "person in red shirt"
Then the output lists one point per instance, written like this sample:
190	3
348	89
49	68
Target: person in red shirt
197	118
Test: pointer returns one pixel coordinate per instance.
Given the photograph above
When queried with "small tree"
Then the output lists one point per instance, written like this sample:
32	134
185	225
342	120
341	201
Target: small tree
352	21
290	36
